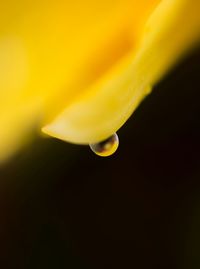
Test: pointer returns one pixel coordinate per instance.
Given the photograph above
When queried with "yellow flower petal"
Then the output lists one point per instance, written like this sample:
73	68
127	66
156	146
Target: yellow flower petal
100	111
80	68
51	51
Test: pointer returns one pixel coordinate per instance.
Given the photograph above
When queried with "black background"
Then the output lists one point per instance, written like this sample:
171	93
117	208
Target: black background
63	207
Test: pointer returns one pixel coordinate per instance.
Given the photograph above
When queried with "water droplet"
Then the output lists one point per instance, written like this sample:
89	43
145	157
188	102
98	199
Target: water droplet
106	147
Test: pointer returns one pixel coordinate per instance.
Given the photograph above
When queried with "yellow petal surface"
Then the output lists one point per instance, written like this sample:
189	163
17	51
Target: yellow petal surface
53	51
78	69
170	30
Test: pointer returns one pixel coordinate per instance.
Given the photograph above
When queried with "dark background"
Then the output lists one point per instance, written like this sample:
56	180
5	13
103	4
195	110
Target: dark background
63	207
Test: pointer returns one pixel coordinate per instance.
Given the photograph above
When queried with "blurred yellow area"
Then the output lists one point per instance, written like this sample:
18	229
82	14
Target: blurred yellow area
78	69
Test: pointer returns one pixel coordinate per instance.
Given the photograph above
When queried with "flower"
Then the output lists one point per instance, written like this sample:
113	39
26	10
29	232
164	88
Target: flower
78	69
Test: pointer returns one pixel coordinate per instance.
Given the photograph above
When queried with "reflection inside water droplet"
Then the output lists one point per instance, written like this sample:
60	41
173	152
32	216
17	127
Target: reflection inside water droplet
107	147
